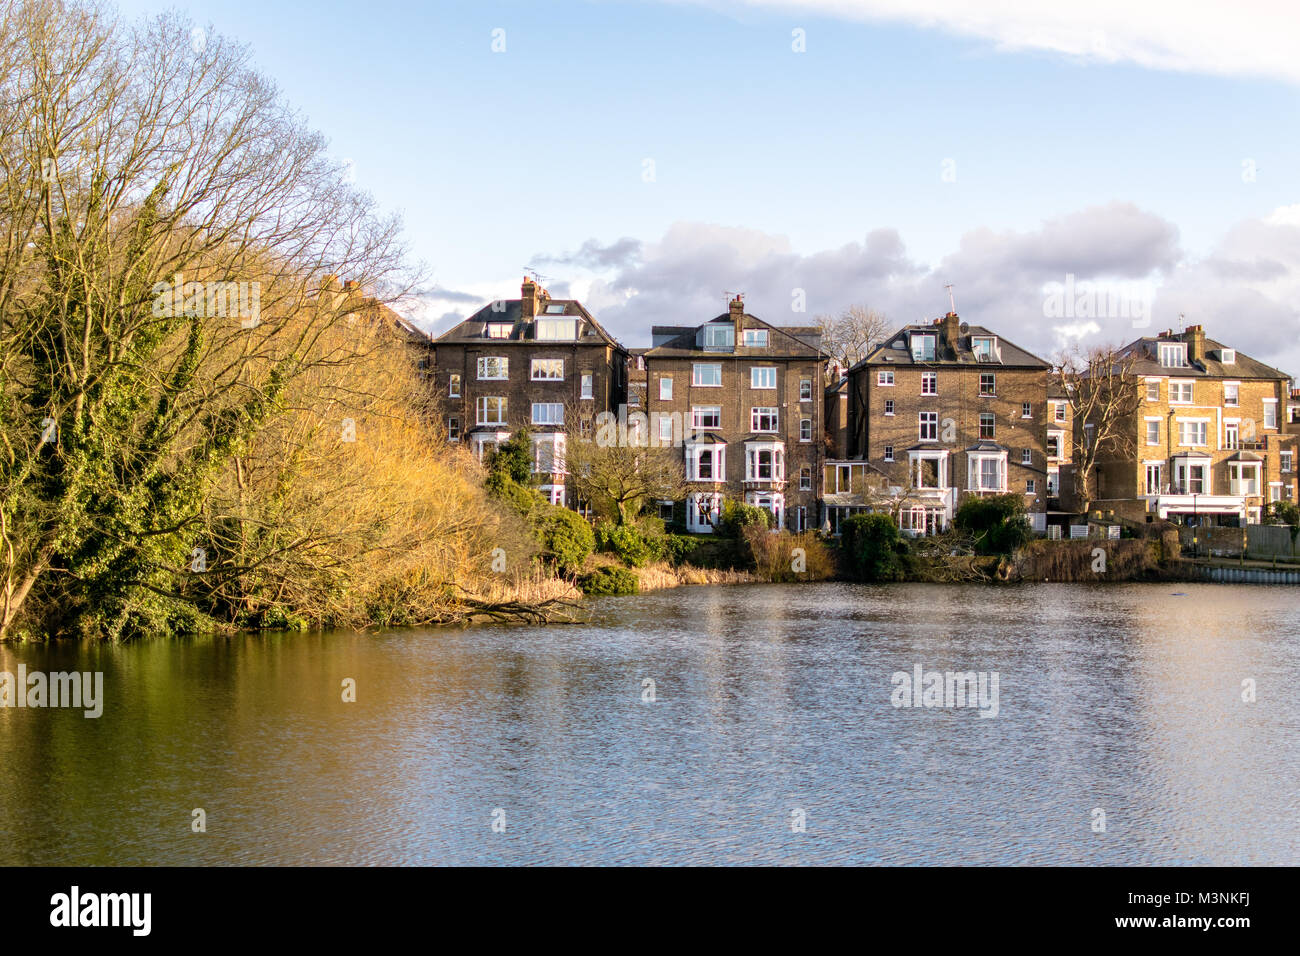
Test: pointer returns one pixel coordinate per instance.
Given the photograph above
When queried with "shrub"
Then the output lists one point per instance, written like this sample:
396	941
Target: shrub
514	458
737	516
566	538
997	523
625	541
775	559
609	581
872	548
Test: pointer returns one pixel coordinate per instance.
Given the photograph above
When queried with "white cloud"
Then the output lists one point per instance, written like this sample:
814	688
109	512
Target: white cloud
1242	38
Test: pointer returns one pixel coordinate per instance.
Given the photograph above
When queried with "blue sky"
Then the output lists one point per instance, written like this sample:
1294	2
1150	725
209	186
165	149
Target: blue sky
951	141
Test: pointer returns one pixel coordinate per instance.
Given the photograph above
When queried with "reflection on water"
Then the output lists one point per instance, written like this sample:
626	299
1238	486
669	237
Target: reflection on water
770	699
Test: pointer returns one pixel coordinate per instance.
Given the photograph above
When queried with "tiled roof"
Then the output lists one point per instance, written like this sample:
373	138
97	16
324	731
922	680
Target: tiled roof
1147	354
679	341
474	328
896	351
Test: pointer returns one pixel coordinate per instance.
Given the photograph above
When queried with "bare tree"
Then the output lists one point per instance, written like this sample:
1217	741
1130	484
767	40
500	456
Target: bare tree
619	469
1102	392
851	335
169	231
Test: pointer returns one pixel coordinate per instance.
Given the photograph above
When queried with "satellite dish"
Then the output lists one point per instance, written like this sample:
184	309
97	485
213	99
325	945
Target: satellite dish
965	327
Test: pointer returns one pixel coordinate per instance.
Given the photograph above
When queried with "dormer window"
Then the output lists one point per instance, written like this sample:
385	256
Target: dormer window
1173	354
985	348
922	347
556	330
499	330
718	337
1228	356
555	310
756	338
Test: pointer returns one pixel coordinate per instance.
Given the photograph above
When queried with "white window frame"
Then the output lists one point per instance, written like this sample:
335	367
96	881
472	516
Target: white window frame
717	459
1176	386
754	338
975	470
889	407
538	364
805	429
914	469
697	416
484	368
694	512
805	390
929	383
1153	384
924	346
1235	400
552	413
761	375
697	371
1173	355
1270	411
927	418
558	443
1150	420
555	329
754	450
588	385
666	388
885	378
764	411
1204	429
453	385
481	406
500	330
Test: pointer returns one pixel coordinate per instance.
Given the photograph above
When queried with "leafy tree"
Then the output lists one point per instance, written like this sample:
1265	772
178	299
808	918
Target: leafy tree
996	522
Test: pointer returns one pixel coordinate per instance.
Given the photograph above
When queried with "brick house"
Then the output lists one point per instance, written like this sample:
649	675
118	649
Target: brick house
523	362
746	397
1209	438
946	410
1058	444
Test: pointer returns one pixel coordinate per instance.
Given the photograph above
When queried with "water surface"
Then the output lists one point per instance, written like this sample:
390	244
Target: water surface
769	699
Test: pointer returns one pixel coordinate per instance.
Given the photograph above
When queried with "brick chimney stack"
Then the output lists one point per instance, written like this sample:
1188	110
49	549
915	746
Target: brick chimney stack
951	330
1196	343
531	297
737	307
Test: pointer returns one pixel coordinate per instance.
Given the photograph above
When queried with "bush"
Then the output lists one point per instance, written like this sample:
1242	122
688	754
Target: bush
872	548
788	557
737	516
625	541
678	548
609	581
566	538
997	523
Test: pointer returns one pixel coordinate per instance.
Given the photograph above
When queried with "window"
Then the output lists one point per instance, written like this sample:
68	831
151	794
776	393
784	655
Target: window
1191	433
1270	413
1228	356
548	413
1189	478
929	383
1173	354
1053	482
548	454
453	389
666	388
585	428
1153	390
719	337
494	367
555	309
1026	410
805	390
548	370
762	376
556	330
1153	431
1029	486
889	453
984	347
988	383
805	429
885	379
1054	444
764	463
989	474
499	330
587	385
1231	393
929	422
634	397
843	479
665	428
706	416
1027	457
702	510
755	338
922	347
666	512
453	429
928	472
491	410
705	462
1155	477
889	406
1243	479
1231	434
1058	411
805	478
762	419
987	426
1288	457
707	376
1180	393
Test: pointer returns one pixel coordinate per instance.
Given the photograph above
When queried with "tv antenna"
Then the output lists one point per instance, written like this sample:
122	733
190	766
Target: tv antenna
537	276
952	303
734	295
1182	320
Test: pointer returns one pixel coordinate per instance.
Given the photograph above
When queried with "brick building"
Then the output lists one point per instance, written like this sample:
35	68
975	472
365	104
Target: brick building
524	362
1209	443
746	397
947	410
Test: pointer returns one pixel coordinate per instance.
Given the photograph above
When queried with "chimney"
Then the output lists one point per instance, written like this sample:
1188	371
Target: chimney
1196	343
951	329
531	298
737	307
